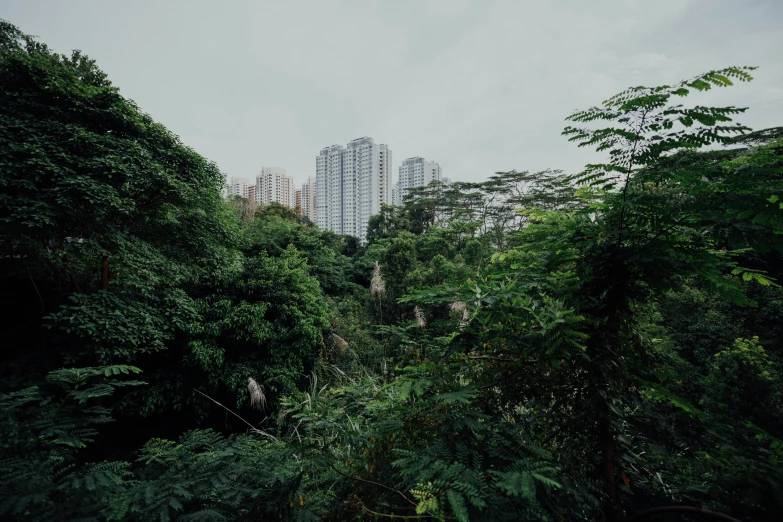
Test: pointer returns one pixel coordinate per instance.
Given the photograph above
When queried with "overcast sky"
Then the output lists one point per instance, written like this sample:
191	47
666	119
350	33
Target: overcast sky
479	86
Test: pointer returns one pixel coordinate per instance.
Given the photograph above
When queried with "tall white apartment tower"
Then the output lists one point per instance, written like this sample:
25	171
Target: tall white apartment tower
329	189
308	198
239	187
273	184
351	184
415	172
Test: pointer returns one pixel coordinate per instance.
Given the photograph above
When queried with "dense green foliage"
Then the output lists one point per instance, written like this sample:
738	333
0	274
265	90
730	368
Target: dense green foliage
538	346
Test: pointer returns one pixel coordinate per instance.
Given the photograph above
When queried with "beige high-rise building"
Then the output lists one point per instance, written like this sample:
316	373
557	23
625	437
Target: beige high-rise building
274	185
307	203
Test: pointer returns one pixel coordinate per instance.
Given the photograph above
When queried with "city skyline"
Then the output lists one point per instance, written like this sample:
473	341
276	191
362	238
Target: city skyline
350	185
452	80
303	178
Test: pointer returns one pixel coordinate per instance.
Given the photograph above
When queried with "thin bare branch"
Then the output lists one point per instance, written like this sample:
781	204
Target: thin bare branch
400	493
252	428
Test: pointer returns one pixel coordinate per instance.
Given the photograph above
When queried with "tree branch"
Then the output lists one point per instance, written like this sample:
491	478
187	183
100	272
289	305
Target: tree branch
627	178
492	385
105	273
387	515
43	307
74	282
683	509
501	359
400	493
252	428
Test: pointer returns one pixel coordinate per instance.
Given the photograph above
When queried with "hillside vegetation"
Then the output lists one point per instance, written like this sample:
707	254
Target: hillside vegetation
539	346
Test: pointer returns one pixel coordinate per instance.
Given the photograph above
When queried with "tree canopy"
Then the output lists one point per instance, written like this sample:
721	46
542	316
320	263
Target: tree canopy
601	345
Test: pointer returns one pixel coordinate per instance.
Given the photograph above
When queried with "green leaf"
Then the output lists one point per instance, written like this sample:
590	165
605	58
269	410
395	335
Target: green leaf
457	503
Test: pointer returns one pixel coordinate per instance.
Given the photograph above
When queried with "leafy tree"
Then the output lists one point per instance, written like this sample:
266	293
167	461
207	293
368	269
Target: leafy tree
44	427
386	224
244	208
104	210
545	347
273	234
280	210
265	323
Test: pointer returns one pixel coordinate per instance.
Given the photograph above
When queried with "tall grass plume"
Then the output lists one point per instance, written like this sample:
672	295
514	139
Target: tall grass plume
257	395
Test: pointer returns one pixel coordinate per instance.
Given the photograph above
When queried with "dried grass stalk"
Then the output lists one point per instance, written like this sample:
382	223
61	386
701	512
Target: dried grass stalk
459	306
339	341
257	396
377	286
419	317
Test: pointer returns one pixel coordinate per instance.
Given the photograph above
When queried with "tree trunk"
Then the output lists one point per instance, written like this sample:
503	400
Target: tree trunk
607	465
74	282
105	274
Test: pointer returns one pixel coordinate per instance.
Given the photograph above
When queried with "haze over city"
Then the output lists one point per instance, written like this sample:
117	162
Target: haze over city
478	86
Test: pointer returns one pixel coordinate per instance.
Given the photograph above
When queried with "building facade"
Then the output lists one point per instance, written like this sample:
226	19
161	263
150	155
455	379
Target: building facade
415	172
351	184
308	198
239	187
274	185
328	188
